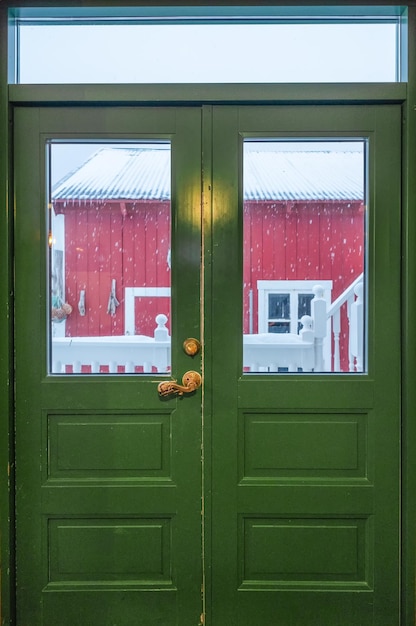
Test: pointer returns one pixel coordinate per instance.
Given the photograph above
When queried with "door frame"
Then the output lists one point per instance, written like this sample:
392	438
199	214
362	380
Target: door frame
113	95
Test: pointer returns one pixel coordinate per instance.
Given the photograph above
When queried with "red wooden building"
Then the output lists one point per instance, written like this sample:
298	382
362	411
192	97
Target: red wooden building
304	223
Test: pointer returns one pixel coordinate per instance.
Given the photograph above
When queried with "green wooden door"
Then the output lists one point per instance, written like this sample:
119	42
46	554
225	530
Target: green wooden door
108	483
290	515
305	508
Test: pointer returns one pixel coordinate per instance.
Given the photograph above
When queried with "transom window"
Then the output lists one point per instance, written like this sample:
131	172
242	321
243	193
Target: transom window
252	45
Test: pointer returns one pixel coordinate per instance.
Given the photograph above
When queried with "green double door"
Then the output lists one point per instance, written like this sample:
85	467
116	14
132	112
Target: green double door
266	497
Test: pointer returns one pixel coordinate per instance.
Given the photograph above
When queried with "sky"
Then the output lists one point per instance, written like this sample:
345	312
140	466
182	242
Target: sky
207	53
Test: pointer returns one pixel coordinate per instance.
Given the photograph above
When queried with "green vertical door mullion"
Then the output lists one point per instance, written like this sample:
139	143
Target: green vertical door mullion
28	192
186	263
386	326
208	364
226	354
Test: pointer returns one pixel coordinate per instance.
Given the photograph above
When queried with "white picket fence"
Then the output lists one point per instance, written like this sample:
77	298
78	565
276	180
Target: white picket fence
125	353
264	352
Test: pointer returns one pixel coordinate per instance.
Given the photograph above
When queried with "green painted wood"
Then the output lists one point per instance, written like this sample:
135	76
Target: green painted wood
255	516
129	445
209	94
409	345
108	506
303	445
83	392
6	434
302	534
409	432
6	346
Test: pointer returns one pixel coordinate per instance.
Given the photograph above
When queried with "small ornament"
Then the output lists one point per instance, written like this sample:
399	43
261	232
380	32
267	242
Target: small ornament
60	310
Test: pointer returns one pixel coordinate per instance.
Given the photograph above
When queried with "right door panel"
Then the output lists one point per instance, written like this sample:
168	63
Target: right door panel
306	465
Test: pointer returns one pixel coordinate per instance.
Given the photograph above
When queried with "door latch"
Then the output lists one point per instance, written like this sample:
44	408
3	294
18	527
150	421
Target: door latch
190	382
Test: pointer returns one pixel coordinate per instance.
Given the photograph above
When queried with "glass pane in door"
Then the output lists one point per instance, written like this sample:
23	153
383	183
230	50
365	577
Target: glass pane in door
304	256
109	257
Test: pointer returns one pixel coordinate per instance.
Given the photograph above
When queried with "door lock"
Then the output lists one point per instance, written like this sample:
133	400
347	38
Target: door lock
191	346
190	382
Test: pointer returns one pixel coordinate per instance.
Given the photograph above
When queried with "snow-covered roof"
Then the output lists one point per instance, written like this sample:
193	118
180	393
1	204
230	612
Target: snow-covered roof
144	173
303	175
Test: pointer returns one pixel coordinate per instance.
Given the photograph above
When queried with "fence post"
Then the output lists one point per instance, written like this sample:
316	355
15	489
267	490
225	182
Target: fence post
161	332
161	355
357	328
336	330
318	312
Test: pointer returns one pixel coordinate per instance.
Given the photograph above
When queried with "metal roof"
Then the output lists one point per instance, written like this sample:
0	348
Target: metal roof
119	174
326	175
144	173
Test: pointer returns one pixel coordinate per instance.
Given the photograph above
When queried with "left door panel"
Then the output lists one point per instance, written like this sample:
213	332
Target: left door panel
108	481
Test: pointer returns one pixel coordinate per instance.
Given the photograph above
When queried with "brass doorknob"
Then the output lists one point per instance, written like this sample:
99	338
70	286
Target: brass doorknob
190	382
191	346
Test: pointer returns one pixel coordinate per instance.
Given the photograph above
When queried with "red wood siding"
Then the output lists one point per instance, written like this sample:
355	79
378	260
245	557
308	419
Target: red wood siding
130	241
302	241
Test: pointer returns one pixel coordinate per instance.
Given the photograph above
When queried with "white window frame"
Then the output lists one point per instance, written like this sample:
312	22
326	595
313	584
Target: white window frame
58	243
130	293
294	288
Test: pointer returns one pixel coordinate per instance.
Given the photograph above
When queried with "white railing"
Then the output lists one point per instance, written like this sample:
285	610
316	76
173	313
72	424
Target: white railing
127	352
352	297
269	352
264	352
304	351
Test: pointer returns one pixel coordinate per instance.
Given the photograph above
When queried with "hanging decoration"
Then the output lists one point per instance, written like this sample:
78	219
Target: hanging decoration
60	309
113	303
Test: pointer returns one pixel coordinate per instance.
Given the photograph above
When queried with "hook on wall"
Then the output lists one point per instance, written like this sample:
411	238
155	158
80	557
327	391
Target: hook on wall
81	302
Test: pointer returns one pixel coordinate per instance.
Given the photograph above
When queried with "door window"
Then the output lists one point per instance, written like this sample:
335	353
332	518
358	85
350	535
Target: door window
109	261
304	256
